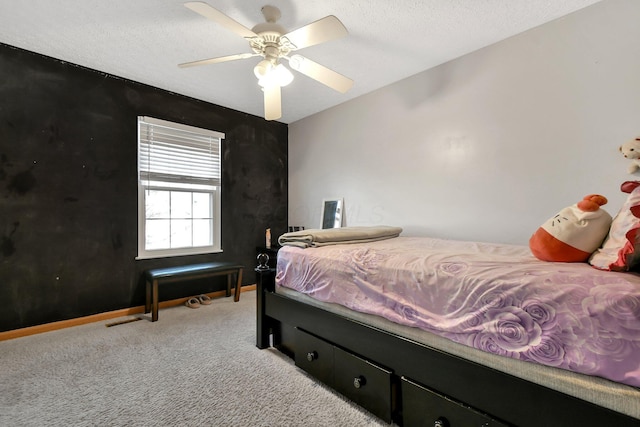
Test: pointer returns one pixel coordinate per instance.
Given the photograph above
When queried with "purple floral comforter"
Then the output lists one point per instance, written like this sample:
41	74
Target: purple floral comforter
496	298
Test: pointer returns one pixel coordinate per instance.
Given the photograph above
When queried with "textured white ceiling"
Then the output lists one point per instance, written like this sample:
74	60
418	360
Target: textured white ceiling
144	40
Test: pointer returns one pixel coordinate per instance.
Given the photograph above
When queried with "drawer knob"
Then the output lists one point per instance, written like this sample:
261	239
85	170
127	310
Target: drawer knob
311	356
359	381
441	422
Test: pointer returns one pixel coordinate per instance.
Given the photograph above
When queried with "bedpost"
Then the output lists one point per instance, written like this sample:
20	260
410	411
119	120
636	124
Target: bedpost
265	282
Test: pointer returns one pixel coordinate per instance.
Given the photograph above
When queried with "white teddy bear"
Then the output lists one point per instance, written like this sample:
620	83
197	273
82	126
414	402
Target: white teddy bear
631	150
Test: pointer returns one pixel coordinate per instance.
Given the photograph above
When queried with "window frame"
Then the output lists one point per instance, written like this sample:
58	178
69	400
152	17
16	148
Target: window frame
214	190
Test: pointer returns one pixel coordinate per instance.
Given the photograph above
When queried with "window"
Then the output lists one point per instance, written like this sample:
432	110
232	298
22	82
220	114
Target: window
178	189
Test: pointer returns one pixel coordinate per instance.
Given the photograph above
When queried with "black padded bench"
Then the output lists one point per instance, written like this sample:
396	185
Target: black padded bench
156	276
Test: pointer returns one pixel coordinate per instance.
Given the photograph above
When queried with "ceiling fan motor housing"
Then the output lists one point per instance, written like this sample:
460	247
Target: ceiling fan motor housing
269	43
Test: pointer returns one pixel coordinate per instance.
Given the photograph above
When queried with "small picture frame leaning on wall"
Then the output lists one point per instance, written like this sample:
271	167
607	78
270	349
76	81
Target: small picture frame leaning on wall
331	216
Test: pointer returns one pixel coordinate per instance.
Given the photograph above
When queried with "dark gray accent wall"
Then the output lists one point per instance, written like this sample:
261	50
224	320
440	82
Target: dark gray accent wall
68	194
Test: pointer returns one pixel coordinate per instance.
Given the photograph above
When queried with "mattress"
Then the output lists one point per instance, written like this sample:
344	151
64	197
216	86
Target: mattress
498	301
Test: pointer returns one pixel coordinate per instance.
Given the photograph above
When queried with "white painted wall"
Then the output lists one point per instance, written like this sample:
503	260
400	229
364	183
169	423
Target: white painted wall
485	147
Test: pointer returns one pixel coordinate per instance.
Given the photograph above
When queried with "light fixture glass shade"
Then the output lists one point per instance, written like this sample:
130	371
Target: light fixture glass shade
280	76
295	61
263	68
283	75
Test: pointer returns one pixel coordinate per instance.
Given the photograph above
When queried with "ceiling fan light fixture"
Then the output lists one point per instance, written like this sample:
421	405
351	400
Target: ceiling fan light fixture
279	76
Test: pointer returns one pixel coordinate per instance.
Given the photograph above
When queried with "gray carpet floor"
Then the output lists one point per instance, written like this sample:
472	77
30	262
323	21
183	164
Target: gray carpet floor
194	367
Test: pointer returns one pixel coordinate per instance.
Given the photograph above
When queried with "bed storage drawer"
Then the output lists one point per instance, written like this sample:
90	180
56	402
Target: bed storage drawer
315	356
365	383
426	408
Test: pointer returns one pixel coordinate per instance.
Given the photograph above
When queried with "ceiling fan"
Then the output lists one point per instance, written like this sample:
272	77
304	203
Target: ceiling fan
273	43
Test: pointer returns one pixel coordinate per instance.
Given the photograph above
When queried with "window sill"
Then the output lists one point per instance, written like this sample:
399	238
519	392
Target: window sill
177	254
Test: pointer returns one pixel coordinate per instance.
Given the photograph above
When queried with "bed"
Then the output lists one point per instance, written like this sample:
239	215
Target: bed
425	331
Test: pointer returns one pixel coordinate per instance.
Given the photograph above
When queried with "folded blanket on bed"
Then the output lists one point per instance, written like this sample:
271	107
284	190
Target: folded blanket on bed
335	236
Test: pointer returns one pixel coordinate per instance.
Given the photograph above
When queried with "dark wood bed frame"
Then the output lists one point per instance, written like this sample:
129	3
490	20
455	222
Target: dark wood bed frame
451	391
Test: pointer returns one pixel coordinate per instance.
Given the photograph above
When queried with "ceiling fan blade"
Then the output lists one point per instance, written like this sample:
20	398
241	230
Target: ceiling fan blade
320	73
215	15
320	31
272	102
218	59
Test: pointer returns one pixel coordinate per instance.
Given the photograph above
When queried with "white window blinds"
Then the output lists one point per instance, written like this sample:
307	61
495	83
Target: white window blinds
172	152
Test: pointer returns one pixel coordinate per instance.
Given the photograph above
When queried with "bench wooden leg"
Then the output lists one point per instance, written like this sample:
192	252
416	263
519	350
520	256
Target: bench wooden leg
236	298
147	301
154	293
228	284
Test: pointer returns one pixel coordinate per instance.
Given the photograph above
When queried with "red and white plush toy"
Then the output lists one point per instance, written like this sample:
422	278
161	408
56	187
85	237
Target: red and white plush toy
574	233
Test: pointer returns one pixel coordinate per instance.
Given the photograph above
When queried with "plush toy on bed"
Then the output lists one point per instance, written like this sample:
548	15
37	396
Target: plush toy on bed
574	233
621	249
631	150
